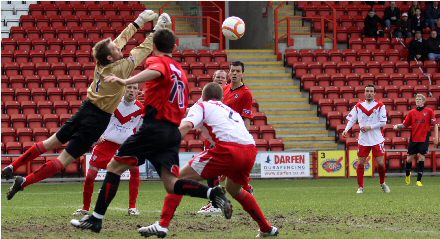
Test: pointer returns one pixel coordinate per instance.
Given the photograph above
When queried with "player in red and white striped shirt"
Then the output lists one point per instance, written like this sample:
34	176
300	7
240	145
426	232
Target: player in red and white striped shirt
372	116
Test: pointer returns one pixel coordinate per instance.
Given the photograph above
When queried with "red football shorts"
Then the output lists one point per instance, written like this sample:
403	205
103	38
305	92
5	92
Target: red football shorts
102	153
233	160
378	150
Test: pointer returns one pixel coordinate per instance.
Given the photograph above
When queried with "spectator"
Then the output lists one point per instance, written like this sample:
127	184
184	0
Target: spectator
412	10
437	28
403	27
417	22
432	14
417	48
392	15
371	24
433	47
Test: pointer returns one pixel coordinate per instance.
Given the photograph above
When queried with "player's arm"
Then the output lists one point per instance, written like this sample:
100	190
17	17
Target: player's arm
351	120
194	119
247	113
382	121
145	75
131	29
406	123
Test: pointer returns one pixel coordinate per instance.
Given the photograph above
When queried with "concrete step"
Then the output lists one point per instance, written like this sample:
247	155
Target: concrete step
249	51
291	121
262	95
271	84
310	126
284	100
304	134
306	113
308	138
307	146
293	118
284	105
267	70
272	87
268	80
259	75
259	64
245	58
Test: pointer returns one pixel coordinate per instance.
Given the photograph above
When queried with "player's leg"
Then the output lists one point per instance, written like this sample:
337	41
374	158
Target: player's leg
36	150
378	154
363	152
133	191
209	208
89	184
420	168
408	166
250	205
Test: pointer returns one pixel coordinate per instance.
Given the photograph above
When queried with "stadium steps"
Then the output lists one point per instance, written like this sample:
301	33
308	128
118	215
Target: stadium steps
280	98
174	9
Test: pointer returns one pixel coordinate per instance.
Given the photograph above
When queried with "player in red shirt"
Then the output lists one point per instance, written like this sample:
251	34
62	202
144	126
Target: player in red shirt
420	119
158	138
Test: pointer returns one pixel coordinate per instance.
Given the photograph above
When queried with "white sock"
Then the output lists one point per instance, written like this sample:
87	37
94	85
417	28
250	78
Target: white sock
209	193
99	216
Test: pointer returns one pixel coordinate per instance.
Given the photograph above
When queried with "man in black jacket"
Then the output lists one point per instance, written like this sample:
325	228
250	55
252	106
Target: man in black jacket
392	15
417	21
417	48
371	24
432	14
433	47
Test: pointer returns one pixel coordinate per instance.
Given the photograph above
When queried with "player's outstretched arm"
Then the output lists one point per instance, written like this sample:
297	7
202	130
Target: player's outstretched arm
131	29
143	76
398	126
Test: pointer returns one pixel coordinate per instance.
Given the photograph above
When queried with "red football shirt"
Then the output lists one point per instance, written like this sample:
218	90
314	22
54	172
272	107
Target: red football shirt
240	100
168	93
421	122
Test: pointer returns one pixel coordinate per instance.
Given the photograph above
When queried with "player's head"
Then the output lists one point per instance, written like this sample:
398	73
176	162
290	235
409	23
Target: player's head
420	100
236	71
106	52
164	41
212	91
220	77
131	92
370	91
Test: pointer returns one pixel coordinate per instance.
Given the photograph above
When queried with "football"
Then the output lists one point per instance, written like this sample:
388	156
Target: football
233	28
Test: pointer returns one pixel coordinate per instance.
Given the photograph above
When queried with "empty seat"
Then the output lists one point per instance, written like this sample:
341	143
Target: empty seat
45	107
195	145
267	132
12	107
13	148
16	82
34	121
61	107
18	120
58	69
51	120
8	135
259	118
28	107
276	145
54	94
261	144
24	134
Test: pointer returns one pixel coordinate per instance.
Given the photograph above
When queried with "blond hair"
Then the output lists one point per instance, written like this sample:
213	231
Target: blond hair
421	96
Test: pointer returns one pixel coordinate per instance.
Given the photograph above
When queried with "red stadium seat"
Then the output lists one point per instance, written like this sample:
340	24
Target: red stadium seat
12	107
337	79
367	79
38	94
316	93
276	145
28	107
259	119
14	148
374	67
74	105
8	94
355	43
402	67
6	121
42	69
64	118
219	56
16	82
407	91
195	93
401	104
334	119
70	94
314	67
364	55
394	160
300	69
291	56
341	105
411	79
34	121
61	107
396	79
203	79
389	131
254	130
332	92
18	120
204	55
183	146
421	89
399	142
321	55
5	160
330	67
23	94
262	144
211	67
189	55
20	56
11	68
80	82
351	143
51	120
323	80
344	67
335	55
195	145
382	79
267	132
197	68
24	134
45	107
359	67
68	56
308	81
395	117
8	135
325	106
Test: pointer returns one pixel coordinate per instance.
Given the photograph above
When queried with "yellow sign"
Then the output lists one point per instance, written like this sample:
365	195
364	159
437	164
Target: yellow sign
353	159
331	163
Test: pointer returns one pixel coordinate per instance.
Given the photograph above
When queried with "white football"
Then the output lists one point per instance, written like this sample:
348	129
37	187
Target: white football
233	28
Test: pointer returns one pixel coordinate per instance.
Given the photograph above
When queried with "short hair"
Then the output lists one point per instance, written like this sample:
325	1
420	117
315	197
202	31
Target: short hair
219	71
101	52
421	96
212	91
164	40
238	63
370	85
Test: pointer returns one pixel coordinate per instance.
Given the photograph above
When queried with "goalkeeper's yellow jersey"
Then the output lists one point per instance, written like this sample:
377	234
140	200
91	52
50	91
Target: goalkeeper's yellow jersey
107	96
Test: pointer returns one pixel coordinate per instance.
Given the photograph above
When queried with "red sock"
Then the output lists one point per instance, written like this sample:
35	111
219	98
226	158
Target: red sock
360	175
170	205
382	171
88	188
134	186
36	150
250	205
247	187
47	170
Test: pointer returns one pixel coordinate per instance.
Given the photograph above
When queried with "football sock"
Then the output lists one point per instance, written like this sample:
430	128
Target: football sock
134	186
46	170
420	167
360	175
36	150
248	188
408	168
170	204
107	192
250	205
213	182
191	188
88	188
382	171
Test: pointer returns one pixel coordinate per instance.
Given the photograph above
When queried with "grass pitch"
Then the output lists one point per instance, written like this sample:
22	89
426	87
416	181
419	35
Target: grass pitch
306	208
